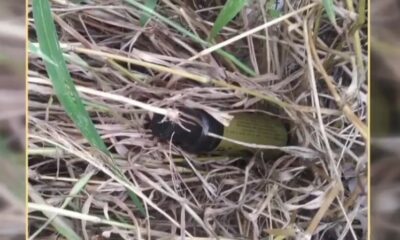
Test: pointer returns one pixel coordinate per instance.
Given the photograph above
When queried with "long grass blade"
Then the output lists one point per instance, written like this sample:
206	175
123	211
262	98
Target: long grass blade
192	36
62	225
274	8
228	12
151	4
74	191
34	49
60	76
62	82
330	10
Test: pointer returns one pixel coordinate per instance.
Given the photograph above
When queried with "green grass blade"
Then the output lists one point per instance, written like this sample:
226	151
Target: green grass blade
192	36
228	12
62	82
34	49
61	224
151	4
76	189
330	10
274	8
71	57
60	76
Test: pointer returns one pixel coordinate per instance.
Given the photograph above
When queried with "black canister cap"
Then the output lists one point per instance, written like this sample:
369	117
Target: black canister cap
191	133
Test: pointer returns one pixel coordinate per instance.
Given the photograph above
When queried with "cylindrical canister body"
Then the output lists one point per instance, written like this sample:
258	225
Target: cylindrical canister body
253	128
192	134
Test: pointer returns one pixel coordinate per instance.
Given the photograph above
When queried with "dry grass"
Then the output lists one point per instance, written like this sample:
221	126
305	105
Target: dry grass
124	72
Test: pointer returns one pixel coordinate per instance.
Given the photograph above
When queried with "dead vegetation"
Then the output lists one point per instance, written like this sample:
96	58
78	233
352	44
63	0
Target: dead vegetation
302	63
